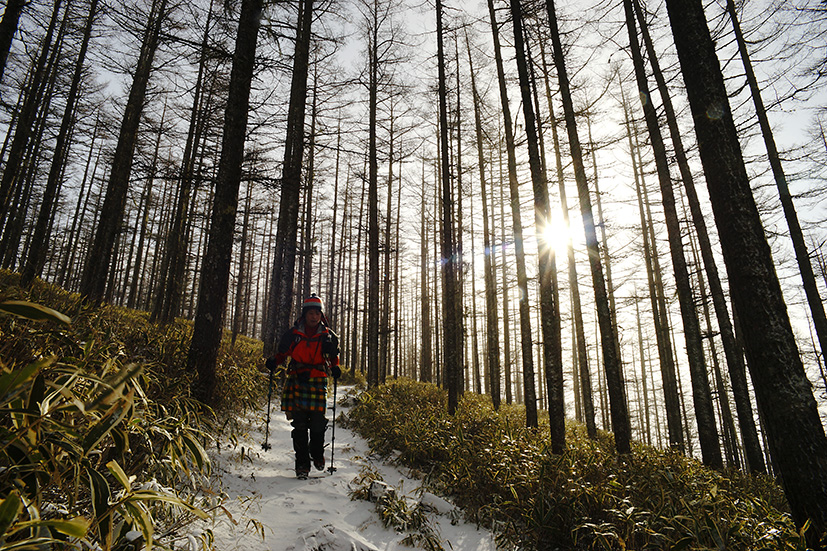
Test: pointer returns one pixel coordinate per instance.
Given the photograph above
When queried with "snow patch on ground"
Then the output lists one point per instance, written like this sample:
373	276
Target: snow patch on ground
267	509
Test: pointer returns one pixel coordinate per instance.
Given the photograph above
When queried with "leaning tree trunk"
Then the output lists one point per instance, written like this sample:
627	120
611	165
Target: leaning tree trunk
215	272
526	338
549	305
99	261
734	355
13	173
42	230
701	393
8	27
614	370
797	236
171	281
794	430
666	360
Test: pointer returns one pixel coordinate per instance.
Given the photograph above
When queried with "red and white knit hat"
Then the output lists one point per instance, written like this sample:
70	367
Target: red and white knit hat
312	302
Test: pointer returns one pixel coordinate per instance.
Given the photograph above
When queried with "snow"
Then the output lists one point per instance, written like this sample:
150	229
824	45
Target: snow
267	509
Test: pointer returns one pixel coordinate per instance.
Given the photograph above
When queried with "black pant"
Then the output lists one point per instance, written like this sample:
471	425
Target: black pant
316	422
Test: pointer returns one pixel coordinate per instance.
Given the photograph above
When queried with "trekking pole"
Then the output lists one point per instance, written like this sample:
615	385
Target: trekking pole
266	446
332	469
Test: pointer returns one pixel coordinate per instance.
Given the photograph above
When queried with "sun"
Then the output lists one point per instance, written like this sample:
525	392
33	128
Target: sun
556	234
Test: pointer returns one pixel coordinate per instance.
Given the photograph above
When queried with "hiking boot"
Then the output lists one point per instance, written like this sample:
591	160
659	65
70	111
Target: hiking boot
319	463
302	474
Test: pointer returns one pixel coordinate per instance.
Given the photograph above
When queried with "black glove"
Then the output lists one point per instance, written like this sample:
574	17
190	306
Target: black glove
336	371
271	364
329	347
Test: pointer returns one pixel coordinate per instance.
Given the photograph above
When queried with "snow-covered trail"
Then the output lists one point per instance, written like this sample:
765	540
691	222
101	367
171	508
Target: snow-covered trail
272	510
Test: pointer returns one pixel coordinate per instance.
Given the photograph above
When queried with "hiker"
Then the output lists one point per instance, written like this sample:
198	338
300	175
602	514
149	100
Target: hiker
313	350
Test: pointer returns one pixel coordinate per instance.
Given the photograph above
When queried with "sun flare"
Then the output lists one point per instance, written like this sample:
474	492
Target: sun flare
556	234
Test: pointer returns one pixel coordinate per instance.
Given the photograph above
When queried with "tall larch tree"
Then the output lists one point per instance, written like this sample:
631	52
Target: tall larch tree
549	305
701	393
215	272
785	397
526	338
802	255
41	235
278	314
99	260
27	112
452	338
614	370
492	332
732	351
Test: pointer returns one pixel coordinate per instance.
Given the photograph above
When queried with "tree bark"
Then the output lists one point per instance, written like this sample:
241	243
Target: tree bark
451	322
280	296
613	368
701	393
795	433
215	273
734	356
99	261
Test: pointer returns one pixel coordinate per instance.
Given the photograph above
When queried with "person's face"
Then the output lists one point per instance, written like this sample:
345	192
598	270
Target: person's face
312	317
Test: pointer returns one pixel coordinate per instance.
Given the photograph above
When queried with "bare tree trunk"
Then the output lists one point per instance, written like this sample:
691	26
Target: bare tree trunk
583	383
99	262
215	273
492	322
667	363
795	433
384	321
8	28
647	418
802	255
372	334
280	296
170	289
613	368
242	281
451	322
509	389
549	301
517	226
426	352
12	174
701	393
42	229
734	356
66	274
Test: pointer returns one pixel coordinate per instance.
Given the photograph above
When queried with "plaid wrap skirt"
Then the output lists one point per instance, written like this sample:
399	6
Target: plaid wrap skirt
304	394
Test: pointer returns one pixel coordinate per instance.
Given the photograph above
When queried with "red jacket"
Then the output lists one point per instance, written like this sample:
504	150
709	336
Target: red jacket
316	353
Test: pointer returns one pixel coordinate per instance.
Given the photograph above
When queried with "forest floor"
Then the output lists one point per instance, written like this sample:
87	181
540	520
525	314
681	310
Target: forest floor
267	508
